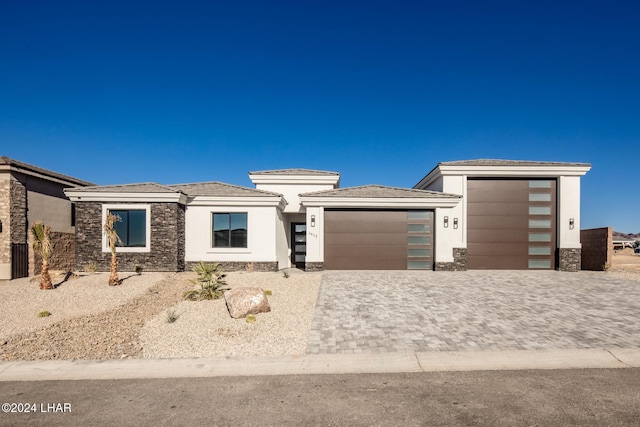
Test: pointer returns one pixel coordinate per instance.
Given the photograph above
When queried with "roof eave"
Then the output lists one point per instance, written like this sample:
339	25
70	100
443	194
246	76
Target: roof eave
133	197
381	202
276	201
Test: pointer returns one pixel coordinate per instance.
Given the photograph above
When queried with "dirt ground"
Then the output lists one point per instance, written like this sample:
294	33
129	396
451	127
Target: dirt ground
626	257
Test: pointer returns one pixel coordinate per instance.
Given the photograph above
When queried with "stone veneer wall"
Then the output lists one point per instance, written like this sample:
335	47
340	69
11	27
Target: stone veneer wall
459	261
239	266
5	218
569	259
18	208
167	239
63	253
597	248
314	266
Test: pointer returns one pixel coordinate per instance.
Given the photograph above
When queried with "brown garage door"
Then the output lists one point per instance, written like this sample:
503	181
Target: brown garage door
511	224
378	240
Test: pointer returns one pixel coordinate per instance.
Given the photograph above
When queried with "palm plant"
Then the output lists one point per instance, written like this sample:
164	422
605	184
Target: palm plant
109	230
211	281
42	245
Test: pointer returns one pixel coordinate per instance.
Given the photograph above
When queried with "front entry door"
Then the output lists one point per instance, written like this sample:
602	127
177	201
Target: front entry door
298	244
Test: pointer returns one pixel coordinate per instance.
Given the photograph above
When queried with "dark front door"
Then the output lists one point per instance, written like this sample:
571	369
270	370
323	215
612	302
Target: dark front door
298	244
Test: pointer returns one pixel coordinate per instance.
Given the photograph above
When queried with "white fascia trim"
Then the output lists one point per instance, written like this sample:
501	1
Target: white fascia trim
278	202
332	202
503	171
533	171
295	179
85	196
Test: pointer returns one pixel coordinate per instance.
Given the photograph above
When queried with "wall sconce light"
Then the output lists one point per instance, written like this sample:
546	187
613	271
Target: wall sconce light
0	226
313	220
455	222
446	221
571	223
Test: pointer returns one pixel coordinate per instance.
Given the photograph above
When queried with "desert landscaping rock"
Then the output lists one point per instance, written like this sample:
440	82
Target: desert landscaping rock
244	301
205	329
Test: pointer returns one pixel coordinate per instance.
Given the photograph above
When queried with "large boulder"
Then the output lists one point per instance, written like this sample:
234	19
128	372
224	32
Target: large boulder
243	301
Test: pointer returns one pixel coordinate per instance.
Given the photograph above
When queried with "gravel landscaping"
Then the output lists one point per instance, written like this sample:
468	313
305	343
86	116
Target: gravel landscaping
91	320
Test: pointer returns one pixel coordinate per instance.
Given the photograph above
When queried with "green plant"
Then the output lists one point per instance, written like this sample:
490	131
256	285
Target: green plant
268	292
210	280
42	245
250	318
138	269
91	267
44	313
109	230
285	274
172	316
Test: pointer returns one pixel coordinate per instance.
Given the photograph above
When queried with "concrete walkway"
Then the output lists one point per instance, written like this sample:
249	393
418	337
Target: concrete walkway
319	364
412	311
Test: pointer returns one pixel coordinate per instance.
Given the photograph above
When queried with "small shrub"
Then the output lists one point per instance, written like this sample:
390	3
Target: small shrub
250	318
285	274
91	267
268	292
172	316
606	266
138	270
211	282
44	313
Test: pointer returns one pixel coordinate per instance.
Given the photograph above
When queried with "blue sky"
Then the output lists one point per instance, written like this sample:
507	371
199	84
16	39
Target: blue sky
381	91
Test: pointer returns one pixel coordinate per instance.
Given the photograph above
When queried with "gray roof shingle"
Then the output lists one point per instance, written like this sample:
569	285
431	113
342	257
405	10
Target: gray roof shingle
221	189
379	191
498	162
4	160
293	172
142	187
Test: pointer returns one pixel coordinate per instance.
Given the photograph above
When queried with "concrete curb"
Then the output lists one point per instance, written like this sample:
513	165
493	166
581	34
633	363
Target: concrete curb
319	364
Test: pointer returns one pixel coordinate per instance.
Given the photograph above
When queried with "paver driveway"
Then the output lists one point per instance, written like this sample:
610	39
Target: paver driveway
370	312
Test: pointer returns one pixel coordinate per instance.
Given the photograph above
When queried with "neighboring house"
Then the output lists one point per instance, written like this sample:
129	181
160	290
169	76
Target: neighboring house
476	214
29	194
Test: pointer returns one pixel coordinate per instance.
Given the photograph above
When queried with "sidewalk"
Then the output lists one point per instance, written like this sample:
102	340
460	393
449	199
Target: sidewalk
321	364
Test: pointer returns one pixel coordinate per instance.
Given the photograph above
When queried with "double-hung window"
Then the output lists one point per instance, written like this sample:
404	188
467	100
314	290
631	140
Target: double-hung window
230	230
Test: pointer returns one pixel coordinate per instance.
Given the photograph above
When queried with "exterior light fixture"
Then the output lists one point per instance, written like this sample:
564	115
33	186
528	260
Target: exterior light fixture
446	221
0	226
571	223
313	220
455	222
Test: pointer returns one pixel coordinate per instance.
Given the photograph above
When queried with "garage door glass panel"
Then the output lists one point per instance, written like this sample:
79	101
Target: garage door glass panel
539	197
419	215
539	250
539	223
540	263
539	210
539	237
540	184
419	240
419	265
419	252
419	228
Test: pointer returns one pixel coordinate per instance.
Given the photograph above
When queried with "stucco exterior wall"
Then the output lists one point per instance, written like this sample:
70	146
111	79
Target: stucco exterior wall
261	235
291	193
53	211
315	235
569	209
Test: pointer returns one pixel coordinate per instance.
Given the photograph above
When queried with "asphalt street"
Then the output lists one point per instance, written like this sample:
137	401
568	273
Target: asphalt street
585	397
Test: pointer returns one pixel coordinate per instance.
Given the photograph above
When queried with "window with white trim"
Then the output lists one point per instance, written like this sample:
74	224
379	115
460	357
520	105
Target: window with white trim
133	228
